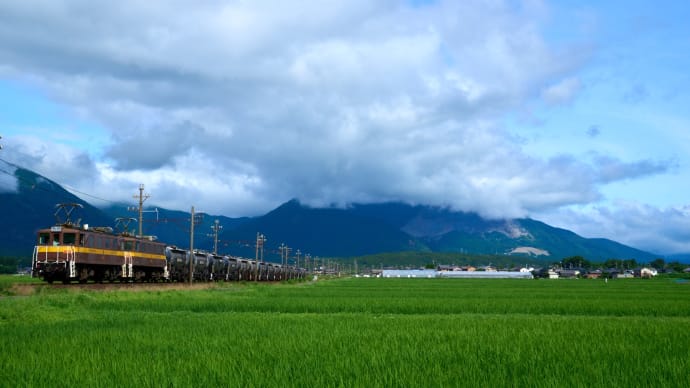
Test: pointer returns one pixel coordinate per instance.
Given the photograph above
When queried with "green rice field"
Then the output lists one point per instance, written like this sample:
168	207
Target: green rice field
354	332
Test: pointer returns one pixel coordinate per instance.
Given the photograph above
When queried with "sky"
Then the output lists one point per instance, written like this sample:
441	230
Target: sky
574	113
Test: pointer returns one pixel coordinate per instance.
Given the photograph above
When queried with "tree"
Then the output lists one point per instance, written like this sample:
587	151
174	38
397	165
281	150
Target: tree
630	264
8	265
676	266
576	262
658	263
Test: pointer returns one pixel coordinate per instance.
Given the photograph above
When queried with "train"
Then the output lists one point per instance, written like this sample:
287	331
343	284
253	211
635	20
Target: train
69	253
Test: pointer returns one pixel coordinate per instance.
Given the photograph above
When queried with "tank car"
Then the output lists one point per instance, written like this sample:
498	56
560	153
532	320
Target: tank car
220	268
233	268
201	264
178	264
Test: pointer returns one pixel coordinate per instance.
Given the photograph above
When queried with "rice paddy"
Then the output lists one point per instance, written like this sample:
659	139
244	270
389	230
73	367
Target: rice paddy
352	333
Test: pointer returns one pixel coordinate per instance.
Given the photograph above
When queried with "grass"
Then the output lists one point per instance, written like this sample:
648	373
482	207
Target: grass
9	283
353	332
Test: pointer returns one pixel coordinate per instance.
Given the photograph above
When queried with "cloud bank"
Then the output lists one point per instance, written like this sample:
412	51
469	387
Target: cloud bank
238	106
662	231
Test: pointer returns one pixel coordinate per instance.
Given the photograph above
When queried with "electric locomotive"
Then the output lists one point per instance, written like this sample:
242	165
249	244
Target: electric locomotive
69	253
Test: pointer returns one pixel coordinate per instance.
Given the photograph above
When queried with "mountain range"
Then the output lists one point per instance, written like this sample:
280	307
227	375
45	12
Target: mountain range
28	203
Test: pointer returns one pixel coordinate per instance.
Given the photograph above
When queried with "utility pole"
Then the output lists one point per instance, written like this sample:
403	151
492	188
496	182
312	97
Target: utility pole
256	259
216	227
191	247
280	248
282	253
260	239
142	197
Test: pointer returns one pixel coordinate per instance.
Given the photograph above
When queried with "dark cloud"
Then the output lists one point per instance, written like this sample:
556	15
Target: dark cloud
153	148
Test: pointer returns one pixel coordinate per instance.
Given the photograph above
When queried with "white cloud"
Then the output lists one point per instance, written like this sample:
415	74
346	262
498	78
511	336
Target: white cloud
56	161
658	230
8	182
235	107
562	92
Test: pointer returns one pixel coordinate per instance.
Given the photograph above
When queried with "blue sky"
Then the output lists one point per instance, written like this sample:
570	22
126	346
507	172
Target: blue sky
573	113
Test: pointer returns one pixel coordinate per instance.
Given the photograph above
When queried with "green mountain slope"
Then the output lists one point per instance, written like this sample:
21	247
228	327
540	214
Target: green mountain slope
538	237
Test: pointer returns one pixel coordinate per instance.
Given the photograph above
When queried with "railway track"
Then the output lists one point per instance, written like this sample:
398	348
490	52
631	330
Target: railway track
32	288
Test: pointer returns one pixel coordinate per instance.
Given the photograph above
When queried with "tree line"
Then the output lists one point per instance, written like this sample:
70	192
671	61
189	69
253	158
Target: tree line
620	264
10	265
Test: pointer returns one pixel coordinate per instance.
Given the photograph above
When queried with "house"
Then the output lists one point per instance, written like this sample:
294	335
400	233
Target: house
645	272
615	273
568	273
596	274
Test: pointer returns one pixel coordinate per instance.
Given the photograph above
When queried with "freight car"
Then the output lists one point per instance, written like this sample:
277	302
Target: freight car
68	252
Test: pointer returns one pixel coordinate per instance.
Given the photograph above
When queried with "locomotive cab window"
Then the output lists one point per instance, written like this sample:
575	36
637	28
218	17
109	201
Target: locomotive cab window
43	238
68	238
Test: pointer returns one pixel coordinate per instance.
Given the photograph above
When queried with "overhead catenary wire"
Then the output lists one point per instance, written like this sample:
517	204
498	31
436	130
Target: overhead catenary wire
46	188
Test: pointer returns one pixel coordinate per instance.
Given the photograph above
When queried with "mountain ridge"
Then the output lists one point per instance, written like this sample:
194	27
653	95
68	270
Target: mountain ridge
355	230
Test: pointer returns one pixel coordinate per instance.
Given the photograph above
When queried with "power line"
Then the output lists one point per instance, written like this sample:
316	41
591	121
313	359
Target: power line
34	185
70	188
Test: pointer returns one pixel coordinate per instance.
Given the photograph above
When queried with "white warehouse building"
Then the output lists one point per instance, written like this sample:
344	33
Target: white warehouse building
429	273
